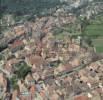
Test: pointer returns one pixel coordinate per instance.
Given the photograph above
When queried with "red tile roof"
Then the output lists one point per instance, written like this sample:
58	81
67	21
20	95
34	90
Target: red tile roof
37	60
99	90
68	67
33	89
81	97
17	43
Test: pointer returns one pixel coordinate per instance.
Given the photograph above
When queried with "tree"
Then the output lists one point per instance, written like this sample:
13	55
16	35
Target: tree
13	83
22	69
84	23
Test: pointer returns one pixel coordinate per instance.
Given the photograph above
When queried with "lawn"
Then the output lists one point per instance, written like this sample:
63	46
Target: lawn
98	43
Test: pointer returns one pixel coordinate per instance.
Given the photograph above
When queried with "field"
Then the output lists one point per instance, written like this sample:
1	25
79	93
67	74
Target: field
98	43
95	32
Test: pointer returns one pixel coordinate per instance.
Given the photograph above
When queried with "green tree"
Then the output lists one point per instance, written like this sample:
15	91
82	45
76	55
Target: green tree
13	82
22	69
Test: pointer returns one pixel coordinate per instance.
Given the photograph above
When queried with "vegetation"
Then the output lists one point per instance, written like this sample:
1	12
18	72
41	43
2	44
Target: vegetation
67	29
95	32
84	23
13	82
1	57
24	7
23	10
98	44
3	46
22	69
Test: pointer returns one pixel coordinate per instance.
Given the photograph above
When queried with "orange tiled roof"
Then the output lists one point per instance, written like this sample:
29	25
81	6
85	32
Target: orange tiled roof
81	97
17	43
37	60
68	67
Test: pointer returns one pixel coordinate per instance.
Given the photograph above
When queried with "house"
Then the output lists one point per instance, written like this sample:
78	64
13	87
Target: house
81	97
30	47
11	62
75	62
65	68
34	60
33	92
15	95
29	80
68	67
38	50
3	84
22	54
54	96
19	30
36	76
47	72
9	65
43	94
74	47
94	66
60	68
24	92
17	45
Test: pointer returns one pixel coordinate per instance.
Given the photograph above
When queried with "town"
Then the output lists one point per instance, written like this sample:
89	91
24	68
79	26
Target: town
48	57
